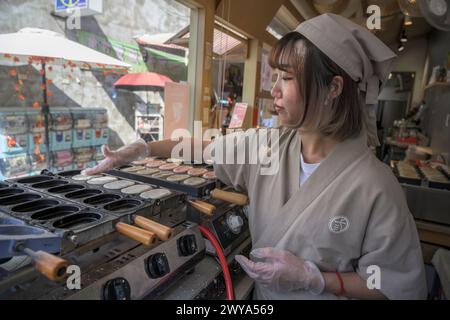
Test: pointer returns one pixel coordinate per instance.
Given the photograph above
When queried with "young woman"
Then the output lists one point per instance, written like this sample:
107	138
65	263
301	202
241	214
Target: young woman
333	221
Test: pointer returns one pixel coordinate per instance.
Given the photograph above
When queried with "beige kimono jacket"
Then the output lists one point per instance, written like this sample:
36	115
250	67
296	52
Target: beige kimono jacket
349	215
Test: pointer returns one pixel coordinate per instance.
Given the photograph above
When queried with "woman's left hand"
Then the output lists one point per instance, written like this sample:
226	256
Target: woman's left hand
282	271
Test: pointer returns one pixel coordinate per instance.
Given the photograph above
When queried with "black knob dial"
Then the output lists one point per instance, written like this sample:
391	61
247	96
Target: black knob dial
157	265
117	289
187	245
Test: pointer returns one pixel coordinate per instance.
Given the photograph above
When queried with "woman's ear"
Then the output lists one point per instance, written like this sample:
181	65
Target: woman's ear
336	87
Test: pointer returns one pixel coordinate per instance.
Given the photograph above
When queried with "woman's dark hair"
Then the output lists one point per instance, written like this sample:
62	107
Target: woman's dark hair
343	118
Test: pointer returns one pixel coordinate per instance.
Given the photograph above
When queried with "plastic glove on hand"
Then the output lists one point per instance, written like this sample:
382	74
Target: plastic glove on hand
126	154
282	271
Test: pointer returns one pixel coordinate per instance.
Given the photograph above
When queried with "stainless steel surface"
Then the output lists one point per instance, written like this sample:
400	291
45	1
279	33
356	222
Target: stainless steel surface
76	218
134	272
119	258
205	272
428	204
105	256
26	283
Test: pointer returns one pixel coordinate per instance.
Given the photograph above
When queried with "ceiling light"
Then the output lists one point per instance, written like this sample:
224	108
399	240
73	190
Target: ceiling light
408	21
404	38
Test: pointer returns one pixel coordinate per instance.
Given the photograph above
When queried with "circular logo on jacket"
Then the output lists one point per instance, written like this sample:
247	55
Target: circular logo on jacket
338	224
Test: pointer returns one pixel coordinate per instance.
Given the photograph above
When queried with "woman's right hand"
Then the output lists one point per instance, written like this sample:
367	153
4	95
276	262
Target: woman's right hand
126	154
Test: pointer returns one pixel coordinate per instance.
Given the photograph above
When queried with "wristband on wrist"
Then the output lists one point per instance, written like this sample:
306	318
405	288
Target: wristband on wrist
341	284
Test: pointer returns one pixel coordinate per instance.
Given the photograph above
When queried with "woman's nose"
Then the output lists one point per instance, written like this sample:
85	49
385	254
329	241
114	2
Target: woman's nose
276	92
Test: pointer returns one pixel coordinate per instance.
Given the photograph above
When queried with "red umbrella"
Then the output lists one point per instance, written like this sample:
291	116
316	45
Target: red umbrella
142	81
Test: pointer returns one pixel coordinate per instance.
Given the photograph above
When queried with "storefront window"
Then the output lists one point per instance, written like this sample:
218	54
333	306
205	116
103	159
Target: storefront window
266	113
105	104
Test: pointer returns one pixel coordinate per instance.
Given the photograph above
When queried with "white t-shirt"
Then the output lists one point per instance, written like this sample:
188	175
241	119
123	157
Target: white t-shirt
306	169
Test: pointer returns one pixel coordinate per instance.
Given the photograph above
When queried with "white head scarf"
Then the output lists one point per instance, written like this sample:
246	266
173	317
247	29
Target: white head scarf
365	58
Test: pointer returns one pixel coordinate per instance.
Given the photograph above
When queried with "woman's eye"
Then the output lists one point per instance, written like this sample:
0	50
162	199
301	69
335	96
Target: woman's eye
287	78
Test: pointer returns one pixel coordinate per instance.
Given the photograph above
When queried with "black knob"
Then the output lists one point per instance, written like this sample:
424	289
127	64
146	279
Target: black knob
117	289
157	265
187	245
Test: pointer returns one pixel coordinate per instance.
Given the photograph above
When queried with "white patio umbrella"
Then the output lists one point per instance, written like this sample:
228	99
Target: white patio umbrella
31	45
40	43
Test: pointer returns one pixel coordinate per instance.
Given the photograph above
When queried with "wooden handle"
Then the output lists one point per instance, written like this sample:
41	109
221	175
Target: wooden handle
164	233
52	267
203	207
135	233
232	197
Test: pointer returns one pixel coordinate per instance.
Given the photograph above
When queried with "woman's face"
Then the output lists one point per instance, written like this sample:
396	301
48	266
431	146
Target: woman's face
287	98
288	103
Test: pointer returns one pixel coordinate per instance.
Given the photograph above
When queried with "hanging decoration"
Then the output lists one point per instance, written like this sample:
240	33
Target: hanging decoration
67	52
38	63
19	84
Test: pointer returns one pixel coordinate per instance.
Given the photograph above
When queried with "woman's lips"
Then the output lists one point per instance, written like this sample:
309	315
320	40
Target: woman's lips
279	109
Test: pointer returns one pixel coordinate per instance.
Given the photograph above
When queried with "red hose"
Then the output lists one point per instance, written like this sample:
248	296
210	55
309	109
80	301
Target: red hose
222	260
